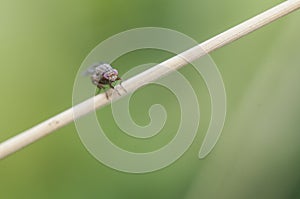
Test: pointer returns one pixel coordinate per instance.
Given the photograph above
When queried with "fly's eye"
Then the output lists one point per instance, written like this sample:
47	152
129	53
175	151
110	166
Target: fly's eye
115	72
105	75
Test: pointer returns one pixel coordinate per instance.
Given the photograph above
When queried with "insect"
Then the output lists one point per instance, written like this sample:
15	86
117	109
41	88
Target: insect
103	74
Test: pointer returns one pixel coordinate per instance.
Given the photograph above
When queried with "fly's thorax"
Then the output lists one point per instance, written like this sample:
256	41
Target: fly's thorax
103	68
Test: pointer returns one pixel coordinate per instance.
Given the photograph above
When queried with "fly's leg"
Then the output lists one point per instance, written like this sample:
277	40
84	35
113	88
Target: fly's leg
98	91
106	94
119	78
100	86
111	86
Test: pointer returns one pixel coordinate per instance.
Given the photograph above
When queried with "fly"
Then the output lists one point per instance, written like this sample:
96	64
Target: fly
104	74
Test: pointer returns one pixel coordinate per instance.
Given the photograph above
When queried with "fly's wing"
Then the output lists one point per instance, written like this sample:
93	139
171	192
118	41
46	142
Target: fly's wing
90	70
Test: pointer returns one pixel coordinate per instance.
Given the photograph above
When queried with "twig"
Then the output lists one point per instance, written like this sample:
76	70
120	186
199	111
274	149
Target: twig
23	139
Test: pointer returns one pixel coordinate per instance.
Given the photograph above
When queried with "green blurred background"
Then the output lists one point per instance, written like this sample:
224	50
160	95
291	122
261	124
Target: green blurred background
42	45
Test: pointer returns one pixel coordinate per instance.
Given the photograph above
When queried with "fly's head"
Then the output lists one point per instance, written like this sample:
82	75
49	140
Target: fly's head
111	75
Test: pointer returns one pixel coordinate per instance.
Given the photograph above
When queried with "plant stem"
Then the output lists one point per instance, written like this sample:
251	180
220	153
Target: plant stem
33	134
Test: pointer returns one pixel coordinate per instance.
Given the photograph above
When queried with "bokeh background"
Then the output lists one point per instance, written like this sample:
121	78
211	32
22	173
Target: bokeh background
42	45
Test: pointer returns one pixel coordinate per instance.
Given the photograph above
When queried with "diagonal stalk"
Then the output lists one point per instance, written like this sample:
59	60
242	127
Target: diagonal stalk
35	133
